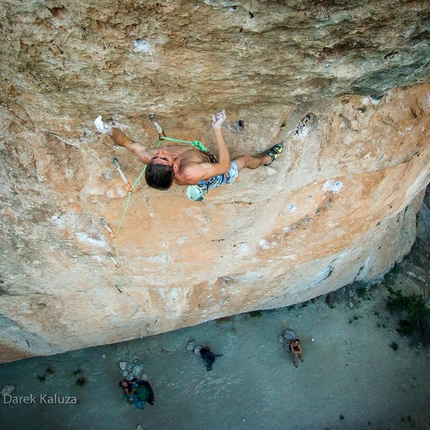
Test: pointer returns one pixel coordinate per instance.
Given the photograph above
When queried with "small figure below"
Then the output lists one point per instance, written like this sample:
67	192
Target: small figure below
128	389
208	356
296	349
137	392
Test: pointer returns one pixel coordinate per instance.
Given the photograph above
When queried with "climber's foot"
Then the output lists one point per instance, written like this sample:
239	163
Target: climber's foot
274	152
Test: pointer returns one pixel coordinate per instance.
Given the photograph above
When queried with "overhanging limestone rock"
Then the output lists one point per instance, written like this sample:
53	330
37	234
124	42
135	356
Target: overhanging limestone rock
338	206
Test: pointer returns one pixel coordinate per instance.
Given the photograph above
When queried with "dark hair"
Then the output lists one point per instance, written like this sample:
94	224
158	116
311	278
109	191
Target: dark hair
159	176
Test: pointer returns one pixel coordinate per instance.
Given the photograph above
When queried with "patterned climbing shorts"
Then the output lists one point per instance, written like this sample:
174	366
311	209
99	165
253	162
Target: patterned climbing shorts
226	178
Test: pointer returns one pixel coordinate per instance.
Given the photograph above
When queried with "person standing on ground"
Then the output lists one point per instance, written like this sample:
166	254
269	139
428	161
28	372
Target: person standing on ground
208	357
296	349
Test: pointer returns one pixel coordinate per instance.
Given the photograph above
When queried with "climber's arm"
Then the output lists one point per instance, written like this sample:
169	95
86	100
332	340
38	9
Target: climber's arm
223	152
143	153
193	173
224	161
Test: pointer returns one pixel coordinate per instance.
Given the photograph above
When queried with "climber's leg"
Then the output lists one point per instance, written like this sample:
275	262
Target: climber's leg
255	161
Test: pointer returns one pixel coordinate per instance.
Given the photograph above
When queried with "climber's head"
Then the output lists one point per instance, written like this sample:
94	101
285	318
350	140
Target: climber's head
159	176
159	172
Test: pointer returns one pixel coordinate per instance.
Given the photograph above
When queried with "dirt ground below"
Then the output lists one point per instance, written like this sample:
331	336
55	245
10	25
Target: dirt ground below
358	372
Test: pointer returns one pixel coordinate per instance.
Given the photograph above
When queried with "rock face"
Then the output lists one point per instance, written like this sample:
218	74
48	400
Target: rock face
342	84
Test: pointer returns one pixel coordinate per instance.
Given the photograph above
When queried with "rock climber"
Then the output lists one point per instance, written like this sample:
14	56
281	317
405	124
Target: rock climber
186	165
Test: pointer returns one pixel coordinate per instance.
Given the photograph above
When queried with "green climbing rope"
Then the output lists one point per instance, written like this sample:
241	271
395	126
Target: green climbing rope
121	288
194	143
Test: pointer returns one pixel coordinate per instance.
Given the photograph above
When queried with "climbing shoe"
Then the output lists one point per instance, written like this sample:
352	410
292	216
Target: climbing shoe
275	152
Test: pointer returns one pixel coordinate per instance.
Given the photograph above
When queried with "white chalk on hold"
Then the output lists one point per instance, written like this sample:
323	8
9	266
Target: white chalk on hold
333	187
312	339
292	207
122	365
101	126
375	99
141	45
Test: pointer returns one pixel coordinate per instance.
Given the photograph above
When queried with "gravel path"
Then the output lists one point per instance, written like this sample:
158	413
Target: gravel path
351	377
